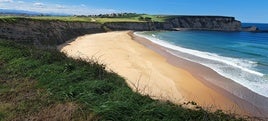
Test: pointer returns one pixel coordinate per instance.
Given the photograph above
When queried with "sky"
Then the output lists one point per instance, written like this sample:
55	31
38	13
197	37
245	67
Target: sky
244	10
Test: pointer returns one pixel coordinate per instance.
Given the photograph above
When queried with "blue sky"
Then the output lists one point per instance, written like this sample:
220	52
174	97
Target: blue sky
244	10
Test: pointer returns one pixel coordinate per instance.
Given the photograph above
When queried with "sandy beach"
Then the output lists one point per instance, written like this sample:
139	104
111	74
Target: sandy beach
149	72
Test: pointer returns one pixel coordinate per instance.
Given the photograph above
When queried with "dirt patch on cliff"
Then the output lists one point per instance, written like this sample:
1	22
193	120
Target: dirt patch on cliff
16	96
56	112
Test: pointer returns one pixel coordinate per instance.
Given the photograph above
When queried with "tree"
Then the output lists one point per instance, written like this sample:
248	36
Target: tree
141	18
148	19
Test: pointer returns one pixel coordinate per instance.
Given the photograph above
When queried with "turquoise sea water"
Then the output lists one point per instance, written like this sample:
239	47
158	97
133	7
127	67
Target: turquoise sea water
239	56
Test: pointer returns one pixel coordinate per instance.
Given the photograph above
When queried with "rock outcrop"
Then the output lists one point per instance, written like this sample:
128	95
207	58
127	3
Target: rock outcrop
250	29
218	23
54	32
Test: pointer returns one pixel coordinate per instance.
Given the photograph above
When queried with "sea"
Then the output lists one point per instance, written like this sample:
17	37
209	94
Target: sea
239	56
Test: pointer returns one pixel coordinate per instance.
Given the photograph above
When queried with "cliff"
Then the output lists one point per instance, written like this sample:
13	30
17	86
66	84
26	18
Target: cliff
54	32
218	23
42	32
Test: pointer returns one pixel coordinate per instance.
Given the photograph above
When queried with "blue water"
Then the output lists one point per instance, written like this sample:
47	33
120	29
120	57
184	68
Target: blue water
239	56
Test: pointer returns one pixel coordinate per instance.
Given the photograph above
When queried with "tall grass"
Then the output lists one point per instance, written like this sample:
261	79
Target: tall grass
60	88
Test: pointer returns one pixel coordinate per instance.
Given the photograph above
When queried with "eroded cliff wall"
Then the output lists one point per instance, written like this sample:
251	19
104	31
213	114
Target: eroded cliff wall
216	23
219	23
46	32
53	32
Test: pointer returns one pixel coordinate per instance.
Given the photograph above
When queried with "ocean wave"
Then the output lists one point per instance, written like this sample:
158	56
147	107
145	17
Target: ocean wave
239	70
239	63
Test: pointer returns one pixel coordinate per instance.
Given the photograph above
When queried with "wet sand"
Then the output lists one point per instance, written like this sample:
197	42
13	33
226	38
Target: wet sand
156	73
252	103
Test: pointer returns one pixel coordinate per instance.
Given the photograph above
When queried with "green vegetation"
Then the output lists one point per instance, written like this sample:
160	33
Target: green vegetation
48	18
137	18
40	84
8	19
99	19
157	18
62	18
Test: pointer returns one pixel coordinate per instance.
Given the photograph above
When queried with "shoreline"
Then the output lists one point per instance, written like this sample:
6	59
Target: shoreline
207	77
137	61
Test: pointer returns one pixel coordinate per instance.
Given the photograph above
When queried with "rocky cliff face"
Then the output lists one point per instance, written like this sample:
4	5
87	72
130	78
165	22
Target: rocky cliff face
140	26
45	32
217	23
137	26
206	23
52	32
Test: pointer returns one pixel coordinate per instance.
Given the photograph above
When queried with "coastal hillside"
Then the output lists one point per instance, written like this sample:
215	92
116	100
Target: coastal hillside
39	84
51	31
138	60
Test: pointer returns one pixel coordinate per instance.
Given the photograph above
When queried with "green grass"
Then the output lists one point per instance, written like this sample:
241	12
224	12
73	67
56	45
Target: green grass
9	19
105	20
48	18
154	18
69	19
63	18
46	85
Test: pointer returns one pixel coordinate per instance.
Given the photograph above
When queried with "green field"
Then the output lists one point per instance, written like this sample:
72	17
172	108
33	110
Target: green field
38	84
135	18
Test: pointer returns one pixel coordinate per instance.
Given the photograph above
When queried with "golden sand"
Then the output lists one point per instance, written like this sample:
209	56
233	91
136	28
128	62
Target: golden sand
145	70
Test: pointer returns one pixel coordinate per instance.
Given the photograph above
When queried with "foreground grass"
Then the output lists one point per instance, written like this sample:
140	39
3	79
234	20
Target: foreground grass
46	85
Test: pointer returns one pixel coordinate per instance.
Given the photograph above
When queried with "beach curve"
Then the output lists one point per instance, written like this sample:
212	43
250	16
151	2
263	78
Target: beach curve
146	71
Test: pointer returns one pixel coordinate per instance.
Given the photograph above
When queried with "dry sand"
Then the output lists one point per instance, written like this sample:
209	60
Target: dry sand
145	70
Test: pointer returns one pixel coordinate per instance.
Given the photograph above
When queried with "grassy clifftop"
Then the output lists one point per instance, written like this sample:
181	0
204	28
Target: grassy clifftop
46	85
97	19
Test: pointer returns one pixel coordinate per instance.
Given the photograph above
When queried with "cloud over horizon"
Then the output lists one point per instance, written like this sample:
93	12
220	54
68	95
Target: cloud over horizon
6	1
37	4
43	7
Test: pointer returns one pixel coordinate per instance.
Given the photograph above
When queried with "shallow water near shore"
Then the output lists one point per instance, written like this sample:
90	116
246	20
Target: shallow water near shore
239	56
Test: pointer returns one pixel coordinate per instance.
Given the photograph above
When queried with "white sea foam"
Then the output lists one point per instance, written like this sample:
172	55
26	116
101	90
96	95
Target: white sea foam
238	70
239	63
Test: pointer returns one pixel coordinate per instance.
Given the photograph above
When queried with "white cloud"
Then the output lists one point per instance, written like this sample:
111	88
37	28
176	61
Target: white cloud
83	5
20	2
41	5
6	1
54	8
59	6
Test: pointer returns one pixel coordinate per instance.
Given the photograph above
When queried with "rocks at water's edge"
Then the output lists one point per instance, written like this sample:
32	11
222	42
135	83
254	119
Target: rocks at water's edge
249	29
